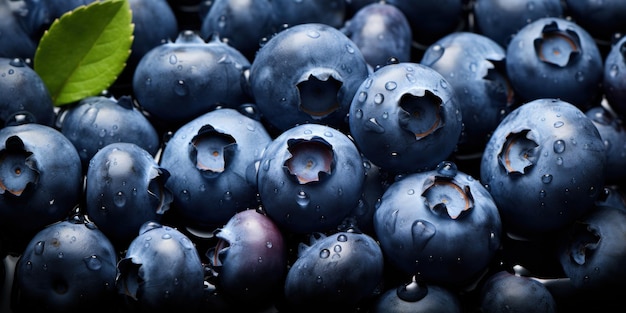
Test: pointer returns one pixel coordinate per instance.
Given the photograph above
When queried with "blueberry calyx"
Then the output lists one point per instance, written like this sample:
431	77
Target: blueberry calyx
18	168
445	196
518	153
311	159
420	113
586	240
556	46
157	189
318	93
211	151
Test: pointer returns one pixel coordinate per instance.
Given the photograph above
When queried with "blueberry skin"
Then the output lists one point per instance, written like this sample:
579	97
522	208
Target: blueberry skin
178	81
431	19
328	12
614	81
474	65
161	271
38	15
592	252
316	85
532	167
381	31
15	41
66	266
405	117
417	296
602	19
124	188
249	260
212	160
339	271
500	20
508	292
555	58
40	175
243	24
310	178
613	134
95	122
24	98
425	221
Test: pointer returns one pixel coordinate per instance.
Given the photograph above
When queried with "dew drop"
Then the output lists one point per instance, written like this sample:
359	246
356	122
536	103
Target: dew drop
181	88
614	70
39	247
379	98
558	124
93	262
542	193
303	199
17	62
324	253
185	195
559	146
166	236
358	114
342	238
337	248
269	244
173	59
391	85
350	49
580	77
119	199
313	34
559	161
546	178
411	78
362	96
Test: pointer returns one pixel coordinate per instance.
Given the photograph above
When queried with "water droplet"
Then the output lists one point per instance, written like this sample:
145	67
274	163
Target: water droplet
185	195
228	196
410	192
546	178
379	98
148	82
319	279
303	199
181	88
342	238
350	49
39	246
559	161
93	262
173	59
337	248
411	78
269	244
558	124
443	83
473	67
328	134
580	77
313	34
325	253
542	193
17	62
391	85
60	255
358	114
166	236
614	70
362	96
119	199
559	146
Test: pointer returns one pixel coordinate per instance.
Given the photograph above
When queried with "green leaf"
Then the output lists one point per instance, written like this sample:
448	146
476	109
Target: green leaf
84	51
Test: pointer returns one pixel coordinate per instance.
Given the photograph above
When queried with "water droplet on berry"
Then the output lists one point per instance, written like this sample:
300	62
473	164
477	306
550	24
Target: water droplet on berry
39	247
93	262
303	199
391	85
325	253
546	179
559	146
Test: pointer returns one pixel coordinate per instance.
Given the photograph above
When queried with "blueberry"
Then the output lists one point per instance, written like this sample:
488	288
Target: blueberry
405	117
24	98
66	266
425	221
15	41
177	81
249	260
316	85
417	296
431	19
310	178
328	12
124	188
500	20
94	122
381	31
614	84
503	292
161	271
553	57
243	24
38	15
337	271
41	178
474	65
212	160
532	166
608	17
613	134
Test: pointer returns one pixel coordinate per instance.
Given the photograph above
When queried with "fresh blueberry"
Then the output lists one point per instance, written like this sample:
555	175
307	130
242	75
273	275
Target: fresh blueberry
66	266
613	134
417	296
509	292
180	80
405	117
501	19
212	160
41	178
24	98
94	122
328	12
337	271
602	19
425	221
614	81
124	188
243	24
381	31
249	260
474	65
15	41
37	15
432	19
554	57
310	178
532	166
161	271
316	84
